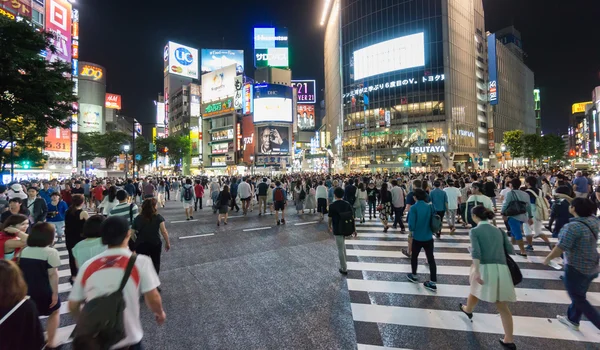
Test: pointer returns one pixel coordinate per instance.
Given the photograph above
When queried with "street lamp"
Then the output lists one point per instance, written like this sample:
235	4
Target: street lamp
503	149
252	165
126	150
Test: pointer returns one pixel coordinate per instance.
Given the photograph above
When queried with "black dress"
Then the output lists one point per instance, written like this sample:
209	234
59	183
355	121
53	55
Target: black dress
73	232
224	198
22	329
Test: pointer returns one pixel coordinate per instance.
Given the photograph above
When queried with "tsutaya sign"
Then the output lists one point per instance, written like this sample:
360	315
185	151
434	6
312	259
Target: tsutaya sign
428	149
394	84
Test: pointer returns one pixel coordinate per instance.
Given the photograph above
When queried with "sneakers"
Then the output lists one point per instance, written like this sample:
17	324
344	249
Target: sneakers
59	240
278	222
406	253
191	217
452	230
412	278
529	248
431	286
565	320
283	221
438	235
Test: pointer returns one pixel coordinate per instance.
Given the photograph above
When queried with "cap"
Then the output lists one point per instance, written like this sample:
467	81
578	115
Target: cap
16	187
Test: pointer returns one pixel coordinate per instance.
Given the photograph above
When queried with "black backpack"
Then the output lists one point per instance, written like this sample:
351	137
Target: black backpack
346	224
100	324
187	193
302	195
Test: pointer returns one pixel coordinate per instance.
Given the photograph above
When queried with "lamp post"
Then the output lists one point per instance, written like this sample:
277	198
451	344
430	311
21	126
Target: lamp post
503	149
12	150
126	150
252	165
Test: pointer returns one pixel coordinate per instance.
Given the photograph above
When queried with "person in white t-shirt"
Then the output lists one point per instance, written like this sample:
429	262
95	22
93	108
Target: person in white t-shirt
102	275
454	198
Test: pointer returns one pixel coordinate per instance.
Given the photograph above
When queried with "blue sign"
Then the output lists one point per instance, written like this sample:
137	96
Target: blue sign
213	59
138	157
184	56
271	47
272	90
493	69
75	67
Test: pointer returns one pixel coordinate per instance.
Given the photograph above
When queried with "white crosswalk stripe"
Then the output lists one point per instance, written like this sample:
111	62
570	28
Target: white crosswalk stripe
381	295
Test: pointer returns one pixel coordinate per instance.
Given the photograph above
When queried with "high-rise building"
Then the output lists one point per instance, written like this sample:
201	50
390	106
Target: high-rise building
511	38
404	88
579	129
537	101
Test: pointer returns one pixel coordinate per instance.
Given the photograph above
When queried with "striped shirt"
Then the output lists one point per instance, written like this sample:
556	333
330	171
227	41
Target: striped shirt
122	209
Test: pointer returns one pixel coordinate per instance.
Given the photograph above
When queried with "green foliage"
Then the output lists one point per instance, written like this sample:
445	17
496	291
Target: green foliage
35	95
142	147
533	146
85	149
106	146
514	142
554	147
178	147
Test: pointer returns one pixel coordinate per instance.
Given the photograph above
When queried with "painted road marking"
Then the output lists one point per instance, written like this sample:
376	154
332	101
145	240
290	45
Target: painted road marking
180	221
257	228
305	223
194	236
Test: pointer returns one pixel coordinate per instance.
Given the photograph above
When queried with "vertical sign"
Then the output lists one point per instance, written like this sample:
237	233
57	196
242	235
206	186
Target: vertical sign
238	100
58	22
493	69
248	101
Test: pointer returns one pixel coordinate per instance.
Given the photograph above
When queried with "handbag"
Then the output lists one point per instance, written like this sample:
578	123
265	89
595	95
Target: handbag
515	207
14	309
435	222
515	271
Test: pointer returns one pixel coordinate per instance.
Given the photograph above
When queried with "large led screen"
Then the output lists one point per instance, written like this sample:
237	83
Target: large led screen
183	60
389	56
213	59
273	140
271	47
218	84
272	103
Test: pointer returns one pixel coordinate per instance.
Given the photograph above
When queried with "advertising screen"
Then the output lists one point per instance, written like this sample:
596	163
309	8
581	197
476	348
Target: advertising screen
213	59
271	47
112	101
238	100
57	143
183	60
160	114
273	140
389	56
273	103
248	99
218	107
218	84
306	90
20	7
195	106
91	72
90	118
306	117
248	138
579	107
493	69
58	22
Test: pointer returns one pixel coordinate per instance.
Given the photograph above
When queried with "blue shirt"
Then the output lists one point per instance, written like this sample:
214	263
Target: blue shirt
419	221
60	209
45	194
439	199
581	183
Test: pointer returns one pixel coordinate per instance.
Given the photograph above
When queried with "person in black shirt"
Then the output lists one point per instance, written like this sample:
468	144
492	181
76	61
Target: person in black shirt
350	192
14	207
262	196
339	206
372	197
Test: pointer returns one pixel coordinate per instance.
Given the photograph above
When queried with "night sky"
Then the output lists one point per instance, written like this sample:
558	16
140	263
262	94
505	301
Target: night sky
128	37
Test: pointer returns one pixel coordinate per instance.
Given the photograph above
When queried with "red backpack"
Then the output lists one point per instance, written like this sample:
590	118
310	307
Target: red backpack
279	197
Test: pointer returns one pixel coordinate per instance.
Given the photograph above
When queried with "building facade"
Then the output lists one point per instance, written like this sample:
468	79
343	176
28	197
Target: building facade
580	129
406	84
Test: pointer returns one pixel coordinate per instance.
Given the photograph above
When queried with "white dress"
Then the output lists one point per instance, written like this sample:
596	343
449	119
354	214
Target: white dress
497	283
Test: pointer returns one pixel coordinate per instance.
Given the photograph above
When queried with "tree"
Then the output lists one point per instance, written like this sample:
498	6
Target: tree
533	146
142	147
554	147
514	142
178	147
85	149
35	95
108	146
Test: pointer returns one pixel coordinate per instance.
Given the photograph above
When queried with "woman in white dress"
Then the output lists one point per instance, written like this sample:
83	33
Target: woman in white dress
490	277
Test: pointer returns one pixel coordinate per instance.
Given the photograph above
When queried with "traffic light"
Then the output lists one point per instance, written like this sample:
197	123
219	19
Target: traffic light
407	163
26	164
470	160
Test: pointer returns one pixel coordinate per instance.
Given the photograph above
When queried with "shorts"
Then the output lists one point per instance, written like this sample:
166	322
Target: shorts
322	205
279	206
187	205
245	199
516	228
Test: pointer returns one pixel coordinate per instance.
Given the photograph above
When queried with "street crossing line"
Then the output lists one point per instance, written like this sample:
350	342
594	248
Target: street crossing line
437	244
482	323
180	221
305	223
195	236
257	228
375	347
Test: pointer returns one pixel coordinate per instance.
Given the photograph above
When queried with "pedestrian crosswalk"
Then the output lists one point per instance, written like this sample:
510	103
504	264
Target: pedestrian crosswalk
390	312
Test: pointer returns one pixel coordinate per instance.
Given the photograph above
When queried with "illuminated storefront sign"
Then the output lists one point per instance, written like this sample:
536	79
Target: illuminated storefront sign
306	90
466	133
75	67
5	13
428	149
222	135
216	108
248	101
579	107
112	101
183	60
91	72
394	84
20	7
493	69
270	47
58	22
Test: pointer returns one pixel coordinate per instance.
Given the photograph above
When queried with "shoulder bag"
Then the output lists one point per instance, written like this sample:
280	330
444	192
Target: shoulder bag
14	309
515	271
515	207
435	222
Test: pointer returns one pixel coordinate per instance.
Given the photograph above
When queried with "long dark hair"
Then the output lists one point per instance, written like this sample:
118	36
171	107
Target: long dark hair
76	200
149	208
15	219
384	191
112	193
225	190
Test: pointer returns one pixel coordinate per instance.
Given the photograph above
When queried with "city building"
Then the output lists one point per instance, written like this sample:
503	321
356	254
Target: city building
538	111
405	89
92	94
579	130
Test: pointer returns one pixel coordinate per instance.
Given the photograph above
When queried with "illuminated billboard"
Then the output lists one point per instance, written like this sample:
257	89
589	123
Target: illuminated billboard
305	117
389	56
306	90
160	114
579	107
57	143
90	118
213	59
18	7
194	106
248	99
493	69
238	99
183	60
58	23
112	101
92	72
218	84
273	103
218	107
273	140
271	47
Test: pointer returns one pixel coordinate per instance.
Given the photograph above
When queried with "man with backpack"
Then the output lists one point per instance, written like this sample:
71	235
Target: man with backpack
110	315
540	210
279	200
188	198
341	224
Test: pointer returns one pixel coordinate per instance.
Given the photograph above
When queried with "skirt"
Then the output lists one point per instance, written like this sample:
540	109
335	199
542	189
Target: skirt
497	283
311	202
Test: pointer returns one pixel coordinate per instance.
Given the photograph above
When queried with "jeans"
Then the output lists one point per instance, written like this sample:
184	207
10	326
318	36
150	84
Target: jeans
340	241
398	214
59	227
372	208
577	285
198	201
214	197
359	208
451	217
414	258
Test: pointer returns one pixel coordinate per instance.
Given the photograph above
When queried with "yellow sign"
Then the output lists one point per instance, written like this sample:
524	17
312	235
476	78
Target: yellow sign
91	71
5	13
579	107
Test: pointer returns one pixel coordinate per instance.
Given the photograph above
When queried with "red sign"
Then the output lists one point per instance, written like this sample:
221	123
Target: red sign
75	51
20	7
248	138
58	140
58	22
112	101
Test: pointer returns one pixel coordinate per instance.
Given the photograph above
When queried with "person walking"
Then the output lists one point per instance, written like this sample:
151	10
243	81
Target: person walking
245	194
262	188
373	196
385	210
321	195
540	212
299	197
20	326
454	201
39	263
399	203
188	198
520	212
160	191
13	236
360	205
578	241
103	274
439	201
581	185
91	245
279	202
57	208
198	191
37	207
175	186
233	190
311	198
223	204
149	226
75	218
110	201
341	224
560	214
490	277
419	225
